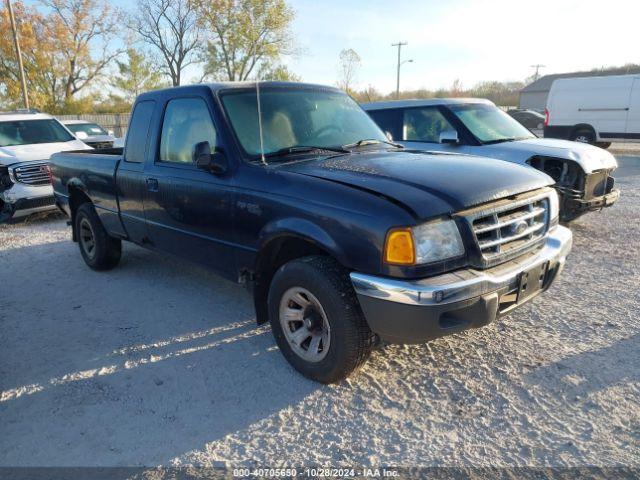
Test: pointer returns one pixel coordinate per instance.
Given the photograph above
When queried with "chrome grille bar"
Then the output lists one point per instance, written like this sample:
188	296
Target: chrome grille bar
32	174
505	229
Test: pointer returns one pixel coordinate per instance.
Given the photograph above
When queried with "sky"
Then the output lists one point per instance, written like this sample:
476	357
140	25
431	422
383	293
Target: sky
469	40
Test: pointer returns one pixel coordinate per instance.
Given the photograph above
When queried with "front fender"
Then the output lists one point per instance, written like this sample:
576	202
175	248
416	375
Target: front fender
305	230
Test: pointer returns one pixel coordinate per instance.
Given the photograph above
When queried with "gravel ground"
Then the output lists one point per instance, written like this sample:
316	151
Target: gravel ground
159	363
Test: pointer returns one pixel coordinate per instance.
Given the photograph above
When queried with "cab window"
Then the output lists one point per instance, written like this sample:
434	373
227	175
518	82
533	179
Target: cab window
186	123
424	124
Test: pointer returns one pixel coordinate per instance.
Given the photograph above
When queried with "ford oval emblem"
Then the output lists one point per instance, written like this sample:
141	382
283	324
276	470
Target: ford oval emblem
519	227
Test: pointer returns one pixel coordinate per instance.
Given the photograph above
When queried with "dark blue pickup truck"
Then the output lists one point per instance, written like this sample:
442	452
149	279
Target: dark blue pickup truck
344	238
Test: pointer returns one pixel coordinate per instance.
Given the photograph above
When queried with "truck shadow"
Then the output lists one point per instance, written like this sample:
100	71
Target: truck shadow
108	365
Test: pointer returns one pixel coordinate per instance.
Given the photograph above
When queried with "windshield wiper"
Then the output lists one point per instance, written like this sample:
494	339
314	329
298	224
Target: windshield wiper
303	149
503	140
371	141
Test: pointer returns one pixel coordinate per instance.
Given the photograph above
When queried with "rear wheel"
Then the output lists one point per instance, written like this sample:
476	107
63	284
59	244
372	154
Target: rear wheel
316	319
584	135
98	249
604	145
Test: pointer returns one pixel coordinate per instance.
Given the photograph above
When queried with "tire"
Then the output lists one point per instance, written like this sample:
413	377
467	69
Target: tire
584	135
331	312
604	145
98	249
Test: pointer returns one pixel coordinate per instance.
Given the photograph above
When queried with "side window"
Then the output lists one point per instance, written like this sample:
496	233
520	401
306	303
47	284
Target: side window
389	120
424	124
186	122
139	129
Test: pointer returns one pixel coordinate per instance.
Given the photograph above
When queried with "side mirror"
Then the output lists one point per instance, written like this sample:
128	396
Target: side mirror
388	135
449	137
110	132
215	162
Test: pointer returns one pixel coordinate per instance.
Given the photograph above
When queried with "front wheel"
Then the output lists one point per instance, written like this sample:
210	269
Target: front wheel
98	249
584	135
316	319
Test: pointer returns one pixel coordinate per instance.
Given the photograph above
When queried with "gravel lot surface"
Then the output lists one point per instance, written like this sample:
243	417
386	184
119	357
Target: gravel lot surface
159	363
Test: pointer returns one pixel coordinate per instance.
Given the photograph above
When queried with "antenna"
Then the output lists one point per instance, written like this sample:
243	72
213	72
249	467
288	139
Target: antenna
264	162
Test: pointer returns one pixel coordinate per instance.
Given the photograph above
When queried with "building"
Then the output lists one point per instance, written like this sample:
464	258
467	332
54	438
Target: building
534	96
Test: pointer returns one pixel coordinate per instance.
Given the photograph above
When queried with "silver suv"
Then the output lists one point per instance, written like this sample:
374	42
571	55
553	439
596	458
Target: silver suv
476	126
27	140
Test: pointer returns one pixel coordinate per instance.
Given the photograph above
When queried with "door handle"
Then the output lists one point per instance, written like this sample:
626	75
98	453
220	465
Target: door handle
152	184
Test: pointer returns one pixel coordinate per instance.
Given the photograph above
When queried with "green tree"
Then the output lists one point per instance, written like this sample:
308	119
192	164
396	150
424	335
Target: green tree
245	36
279	73
135	76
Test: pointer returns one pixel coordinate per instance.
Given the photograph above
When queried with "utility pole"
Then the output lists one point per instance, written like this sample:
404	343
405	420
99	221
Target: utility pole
537	67
399	45
16	42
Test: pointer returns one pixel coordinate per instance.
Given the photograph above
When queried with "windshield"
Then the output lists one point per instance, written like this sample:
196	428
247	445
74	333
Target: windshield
490	124
88	128
29	132
298	118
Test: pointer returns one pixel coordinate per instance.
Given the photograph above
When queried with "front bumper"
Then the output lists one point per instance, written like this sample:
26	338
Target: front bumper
21	200
415	311
581	206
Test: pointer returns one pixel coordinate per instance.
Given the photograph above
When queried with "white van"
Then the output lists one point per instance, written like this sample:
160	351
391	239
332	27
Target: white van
596	110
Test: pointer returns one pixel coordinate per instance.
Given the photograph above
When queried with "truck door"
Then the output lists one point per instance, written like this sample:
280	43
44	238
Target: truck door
130	177
188	209
633	117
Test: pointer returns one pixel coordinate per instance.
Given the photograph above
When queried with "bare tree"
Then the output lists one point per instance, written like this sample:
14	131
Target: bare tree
170	29
348	68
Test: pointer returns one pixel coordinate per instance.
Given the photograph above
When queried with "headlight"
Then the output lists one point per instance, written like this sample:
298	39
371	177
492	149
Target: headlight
425	243
554	205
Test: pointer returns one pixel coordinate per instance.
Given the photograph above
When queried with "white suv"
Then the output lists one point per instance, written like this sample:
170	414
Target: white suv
27	140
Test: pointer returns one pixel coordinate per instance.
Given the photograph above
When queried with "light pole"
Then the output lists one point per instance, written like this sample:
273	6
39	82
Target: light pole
536	75
399	45
16	42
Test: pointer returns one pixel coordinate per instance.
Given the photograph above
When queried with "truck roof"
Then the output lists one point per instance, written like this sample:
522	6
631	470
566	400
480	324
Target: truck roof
220	86
424	102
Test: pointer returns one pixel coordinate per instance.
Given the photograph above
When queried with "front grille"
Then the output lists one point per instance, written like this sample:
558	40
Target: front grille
100	145
39	202
505	229
33	174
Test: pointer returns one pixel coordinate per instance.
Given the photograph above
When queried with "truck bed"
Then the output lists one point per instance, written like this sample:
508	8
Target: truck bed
90	171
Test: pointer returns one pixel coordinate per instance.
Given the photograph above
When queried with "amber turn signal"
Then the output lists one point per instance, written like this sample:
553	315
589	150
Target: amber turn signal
399	249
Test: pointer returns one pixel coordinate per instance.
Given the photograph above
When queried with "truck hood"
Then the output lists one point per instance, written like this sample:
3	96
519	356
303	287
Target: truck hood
40	151
427	184
589	157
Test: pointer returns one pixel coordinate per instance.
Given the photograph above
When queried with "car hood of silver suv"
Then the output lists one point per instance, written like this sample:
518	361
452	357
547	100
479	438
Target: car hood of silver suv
589	157
40	151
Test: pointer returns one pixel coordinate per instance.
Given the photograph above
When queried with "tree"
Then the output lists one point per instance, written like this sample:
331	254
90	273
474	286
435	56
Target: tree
246	35
35	46
279	73
349	65
170	29
83	33
66	50
135	76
